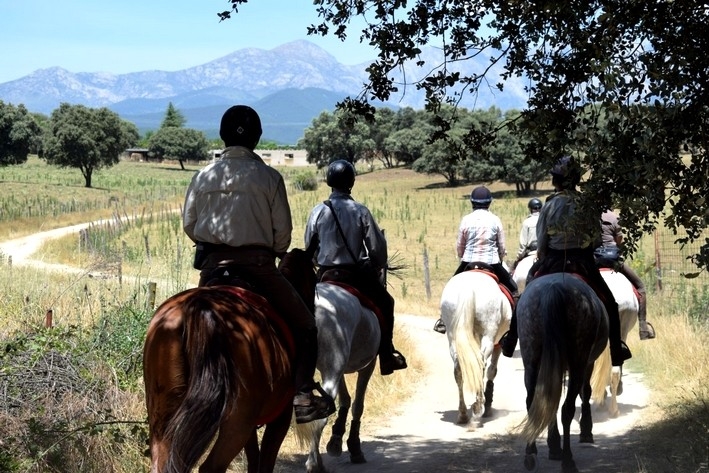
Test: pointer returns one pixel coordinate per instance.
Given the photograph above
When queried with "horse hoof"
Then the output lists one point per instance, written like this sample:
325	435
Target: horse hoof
586	438
462	419
569	466
334	447
358	459
530	462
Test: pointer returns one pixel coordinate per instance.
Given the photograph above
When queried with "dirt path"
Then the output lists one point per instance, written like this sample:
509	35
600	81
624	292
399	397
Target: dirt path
421	436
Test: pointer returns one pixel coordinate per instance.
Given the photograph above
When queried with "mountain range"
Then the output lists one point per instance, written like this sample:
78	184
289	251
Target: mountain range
288	86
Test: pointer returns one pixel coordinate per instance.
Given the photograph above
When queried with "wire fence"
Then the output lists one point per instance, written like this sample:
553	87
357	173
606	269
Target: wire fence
664	264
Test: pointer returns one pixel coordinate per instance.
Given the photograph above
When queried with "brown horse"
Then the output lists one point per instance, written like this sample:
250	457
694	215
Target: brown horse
218	361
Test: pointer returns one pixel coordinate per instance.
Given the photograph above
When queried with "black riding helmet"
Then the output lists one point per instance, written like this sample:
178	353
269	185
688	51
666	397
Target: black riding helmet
481	197
341	175
534	205
566	172
240	126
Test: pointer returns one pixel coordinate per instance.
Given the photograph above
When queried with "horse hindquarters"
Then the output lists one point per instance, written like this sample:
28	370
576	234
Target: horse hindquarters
188	380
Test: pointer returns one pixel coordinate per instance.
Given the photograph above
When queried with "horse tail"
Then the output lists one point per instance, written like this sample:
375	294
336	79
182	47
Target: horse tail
547	391
466	343
211	382
601	376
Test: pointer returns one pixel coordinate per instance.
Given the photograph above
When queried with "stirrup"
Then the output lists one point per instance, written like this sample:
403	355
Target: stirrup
439	326
648	334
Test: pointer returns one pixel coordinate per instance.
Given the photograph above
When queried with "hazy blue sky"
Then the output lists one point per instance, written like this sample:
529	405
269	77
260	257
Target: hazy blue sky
122	36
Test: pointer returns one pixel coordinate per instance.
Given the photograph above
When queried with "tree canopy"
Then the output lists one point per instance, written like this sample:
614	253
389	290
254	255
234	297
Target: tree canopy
620	84
87	138
172	140
19	133
183	144
173	117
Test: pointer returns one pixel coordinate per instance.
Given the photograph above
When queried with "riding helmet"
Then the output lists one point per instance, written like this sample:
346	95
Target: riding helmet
481	197
240	126
566	172
534	205
341	175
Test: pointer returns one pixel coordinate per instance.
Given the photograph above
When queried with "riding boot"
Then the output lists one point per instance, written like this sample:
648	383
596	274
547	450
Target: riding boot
309	407
508	342
647	331
390	359
619	350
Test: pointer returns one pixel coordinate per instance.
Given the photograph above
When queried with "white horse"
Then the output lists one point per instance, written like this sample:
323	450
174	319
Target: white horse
519	275
476	313
348	342
627	301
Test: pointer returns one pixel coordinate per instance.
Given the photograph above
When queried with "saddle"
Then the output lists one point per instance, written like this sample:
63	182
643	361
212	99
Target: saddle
485	268
344	279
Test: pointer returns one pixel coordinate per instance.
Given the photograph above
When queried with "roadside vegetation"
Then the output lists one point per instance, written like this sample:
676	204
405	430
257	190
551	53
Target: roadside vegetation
71	396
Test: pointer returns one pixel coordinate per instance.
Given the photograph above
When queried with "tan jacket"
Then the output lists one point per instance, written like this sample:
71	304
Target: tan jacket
239	201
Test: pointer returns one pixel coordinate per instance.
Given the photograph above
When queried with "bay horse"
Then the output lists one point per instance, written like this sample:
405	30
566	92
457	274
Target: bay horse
348	342
476	313
628	306
217	361
563	328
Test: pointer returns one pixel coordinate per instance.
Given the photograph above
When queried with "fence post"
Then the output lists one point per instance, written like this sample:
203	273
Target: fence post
426	274
48	318
152	290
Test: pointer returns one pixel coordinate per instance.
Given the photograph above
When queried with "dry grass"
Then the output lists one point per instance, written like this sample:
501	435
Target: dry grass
419	217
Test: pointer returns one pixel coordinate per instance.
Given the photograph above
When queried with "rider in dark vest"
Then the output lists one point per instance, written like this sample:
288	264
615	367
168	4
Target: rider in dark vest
354	250
566	241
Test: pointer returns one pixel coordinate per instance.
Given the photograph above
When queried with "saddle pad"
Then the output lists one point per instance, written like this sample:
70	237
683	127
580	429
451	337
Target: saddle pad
502	287
363	299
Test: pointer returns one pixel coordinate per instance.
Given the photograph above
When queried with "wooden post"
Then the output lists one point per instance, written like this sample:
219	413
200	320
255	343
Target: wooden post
48	318
152	290
426	274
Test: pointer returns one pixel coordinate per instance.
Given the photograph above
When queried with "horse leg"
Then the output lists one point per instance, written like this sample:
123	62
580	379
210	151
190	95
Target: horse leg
462	408
554	441
235	431
251	449
491	374
586	422
616	389
530	452
530	457
353	440
272	440
344	400
568	410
